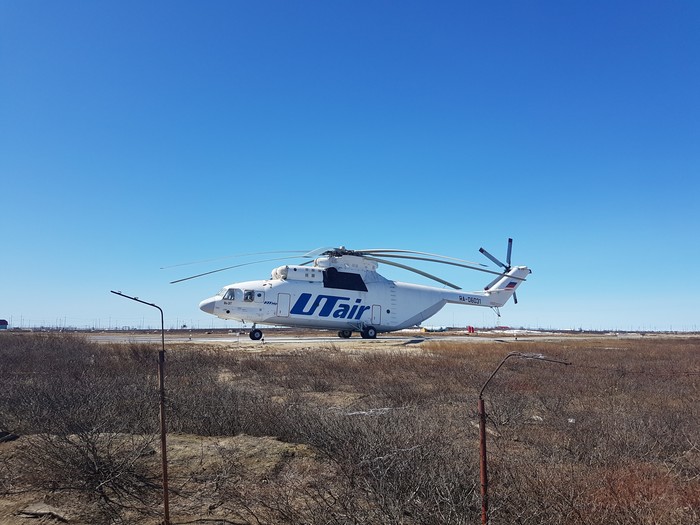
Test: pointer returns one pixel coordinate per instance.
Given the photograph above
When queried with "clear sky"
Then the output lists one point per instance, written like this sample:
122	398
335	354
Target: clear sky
136	135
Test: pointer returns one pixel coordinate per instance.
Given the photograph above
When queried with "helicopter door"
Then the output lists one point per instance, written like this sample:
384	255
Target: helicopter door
283	301
376	314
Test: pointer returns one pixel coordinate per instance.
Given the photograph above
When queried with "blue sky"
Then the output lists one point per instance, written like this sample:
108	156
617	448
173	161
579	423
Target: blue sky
137	135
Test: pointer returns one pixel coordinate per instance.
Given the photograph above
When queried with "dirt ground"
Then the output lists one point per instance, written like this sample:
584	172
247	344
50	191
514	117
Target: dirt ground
191	459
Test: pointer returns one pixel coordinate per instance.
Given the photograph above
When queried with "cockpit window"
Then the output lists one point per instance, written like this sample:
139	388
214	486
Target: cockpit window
230	294
249	296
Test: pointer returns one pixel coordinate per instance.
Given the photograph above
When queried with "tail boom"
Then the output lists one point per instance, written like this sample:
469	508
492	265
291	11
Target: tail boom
496	294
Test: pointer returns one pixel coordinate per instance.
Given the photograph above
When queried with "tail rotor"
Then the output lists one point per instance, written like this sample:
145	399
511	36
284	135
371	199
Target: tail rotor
506	266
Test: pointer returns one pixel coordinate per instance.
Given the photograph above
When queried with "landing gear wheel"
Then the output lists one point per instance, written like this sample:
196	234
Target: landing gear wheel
345	334
256	334
369	332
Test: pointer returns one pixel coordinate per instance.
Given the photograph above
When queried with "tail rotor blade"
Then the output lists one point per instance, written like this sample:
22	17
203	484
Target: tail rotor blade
495	261
515	298
510	249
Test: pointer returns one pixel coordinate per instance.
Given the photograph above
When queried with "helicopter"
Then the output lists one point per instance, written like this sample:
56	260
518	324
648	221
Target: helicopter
340	289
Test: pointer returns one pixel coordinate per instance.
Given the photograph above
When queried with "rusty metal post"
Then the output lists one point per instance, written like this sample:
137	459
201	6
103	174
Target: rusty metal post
482	428
482	444
482	464
161	388
163	433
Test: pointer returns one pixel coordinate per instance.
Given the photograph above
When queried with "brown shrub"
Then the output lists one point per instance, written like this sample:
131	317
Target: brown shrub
611	439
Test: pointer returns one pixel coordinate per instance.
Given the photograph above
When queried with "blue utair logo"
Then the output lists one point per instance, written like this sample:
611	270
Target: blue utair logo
331	306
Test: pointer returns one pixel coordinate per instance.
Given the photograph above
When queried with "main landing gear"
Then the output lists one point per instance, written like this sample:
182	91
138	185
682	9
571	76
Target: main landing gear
368	332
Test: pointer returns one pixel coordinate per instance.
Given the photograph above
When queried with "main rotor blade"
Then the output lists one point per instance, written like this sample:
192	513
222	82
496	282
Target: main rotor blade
414	270
228	268
492	283
389	252
230	257
496	261
469	267
385	253
510	249
318	252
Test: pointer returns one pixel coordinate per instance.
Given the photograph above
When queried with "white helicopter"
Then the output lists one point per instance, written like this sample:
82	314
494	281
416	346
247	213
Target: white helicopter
342	291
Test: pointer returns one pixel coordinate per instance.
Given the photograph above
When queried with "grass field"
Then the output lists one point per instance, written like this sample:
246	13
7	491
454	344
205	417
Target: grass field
326	434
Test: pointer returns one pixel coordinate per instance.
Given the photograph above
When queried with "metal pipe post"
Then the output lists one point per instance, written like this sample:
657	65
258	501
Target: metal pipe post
163	433
482	464
161	388
482	429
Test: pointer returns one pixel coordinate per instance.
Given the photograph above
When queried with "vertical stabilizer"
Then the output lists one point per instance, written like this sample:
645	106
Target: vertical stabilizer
504	287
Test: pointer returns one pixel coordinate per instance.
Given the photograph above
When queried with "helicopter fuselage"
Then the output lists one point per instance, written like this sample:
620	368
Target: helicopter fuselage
308	304
346	294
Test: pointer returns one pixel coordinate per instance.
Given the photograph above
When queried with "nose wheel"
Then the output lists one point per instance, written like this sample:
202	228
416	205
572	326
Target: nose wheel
255	334
345	334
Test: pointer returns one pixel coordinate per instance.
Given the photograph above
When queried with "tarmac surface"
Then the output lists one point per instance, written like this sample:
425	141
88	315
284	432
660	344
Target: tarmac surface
404	337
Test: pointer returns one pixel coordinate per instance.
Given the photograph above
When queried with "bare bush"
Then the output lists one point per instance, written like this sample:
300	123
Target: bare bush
110	472
88	424
387	437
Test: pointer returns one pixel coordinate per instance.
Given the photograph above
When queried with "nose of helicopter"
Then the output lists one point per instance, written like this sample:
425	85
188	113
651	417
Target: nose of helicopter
207	305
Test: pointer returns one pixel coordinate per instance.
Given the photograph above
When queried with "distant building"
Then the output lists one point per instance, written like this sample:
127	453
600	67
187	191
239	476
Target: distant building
3	324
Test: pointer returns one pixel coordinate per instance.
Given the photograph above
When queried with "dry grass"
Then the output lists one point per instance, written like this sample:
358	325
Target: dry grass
371	436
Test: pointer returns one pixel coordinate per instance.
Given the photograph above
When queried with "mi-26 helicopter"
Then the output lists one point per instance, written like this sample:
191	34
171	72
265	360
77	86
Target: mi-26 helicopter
340	289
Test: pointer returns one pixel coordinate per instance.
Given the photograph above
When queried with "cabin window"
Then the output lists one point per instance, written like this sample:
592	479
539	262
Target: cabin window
332	278
249	296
